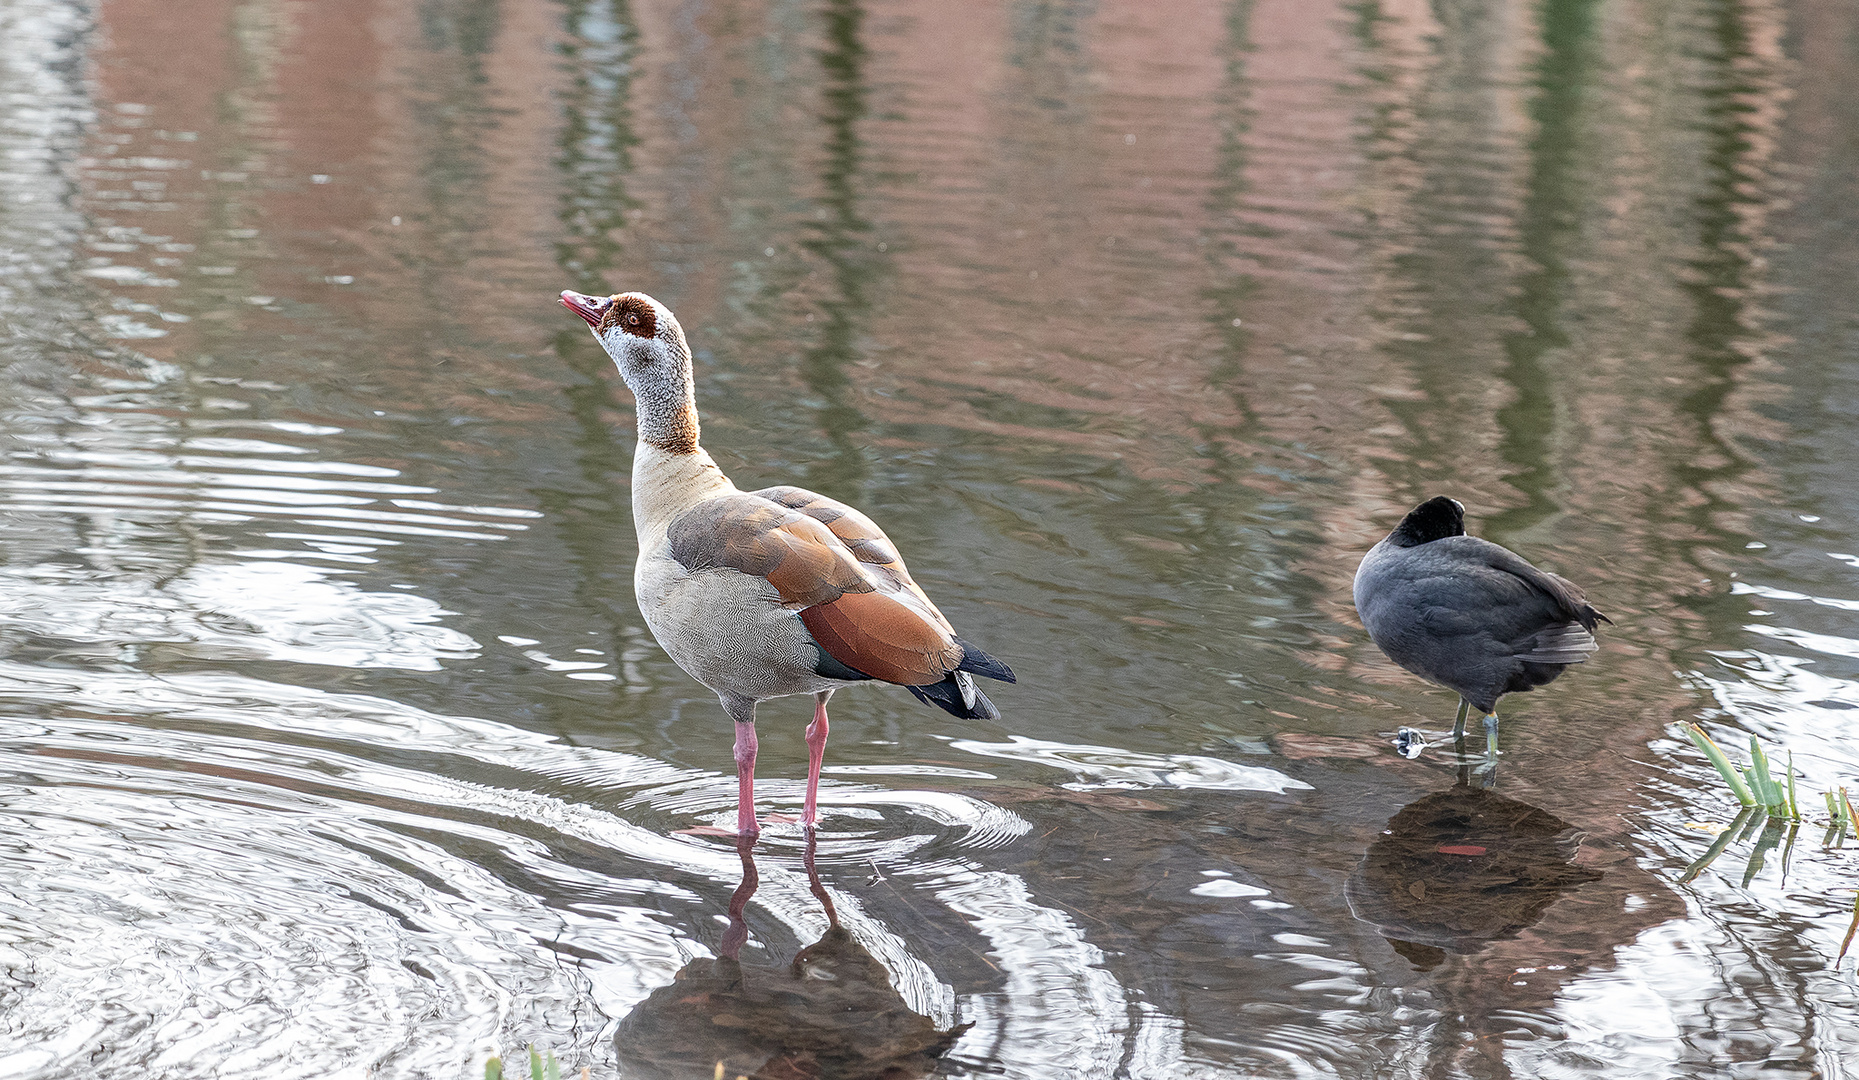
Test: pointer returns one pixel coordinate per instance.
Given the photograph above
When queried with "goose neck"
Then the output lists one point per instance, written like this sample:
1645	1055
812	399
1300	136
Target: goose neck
667	482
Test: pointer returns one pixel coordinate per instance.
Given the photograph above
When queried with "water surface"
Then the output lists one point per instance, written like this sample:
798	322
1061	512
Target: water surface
333	745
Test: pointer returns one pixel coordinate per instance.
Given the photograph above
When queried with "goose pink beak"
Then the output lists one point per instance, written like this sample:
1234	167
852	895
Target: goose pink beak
590	308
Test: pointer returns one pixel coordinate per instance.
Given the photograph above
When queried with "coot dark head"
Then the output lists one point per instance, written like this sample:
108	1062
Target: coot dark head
1468	614
1435	519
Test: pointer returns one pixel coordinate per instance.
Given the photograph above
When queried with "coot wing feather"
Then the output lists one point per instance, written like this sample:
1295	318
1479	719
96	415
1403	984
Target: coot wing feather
1465	588
1570	602
1565	643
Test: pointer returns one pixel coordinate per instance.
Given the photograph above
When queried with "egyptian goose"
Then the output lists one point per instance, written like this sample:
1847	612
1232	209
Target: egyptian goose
1468	614
762	594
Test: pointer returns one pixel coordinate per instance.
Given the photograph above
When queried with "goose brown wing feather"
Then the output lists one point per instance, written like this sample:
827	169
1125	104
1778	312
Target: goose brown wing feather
861	536
836	567
885	636
800	557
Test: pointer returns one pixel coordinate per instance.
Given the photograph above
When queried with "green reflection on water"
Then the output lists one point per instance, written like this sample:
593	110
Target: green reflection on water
458	123
841	239
1552	215
1721	274
596	139
1447	235
594	516
1226	298
468	27
1719	280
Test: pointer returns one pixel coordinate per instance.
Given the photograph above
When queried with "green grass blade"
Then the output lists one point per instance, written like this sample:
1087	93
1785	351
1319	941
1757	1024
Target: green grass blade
1794	798
493	1069
1766	791
1724	768
535	1064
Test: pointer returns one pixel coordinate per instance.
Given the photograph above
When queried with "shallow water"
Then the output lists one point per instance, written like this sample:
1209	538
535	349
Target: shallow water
332	743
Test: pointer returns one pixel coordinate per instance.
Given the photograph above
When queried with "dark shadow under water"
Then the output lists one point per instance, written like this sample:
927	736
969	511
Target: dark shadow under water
830	1012
1459	869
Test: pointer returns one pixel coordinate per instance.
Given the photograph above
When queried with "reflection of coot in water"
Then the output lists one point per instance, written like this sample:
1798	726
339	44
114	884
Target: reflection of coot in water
1462	868
831	1014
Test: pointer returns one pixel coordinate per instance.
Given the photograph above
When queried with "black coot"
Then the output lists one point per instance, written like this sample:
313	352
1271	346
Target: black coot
1468	614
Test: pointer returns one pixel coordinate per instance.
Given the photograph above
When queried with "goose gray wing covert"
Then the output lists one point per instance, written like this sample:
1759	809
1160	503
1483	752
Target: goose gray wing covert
854	597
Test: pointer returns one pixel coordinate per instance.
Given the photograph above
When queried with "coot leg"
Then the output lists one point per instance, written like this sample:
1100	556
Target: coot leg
1458	724
1491	745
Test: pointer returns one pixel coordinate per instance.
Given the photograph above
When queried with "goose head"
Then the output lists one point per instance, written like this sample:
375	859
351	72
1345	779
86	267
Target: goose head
640	334
647	345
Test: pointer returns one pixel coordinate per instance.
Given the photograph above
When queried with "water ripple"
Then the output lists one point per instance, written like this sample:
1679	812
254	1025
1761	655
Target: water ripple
1109	767
214	875
221	480
216	862
274	610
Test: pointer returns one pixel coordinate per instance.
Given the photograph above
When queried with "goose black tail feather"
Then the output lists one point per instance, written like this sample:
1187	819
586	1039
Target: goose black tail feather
952	697
982	664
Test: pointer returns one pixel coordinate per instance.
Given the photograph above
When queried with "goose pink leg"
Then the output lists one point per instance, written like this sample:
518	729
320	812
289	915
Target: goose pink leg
816	753
745	780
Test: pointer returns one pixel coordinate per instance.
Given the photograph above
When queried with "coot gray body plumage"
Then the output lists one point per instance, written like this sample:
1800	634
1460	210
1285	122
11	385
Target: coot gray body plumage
1467	614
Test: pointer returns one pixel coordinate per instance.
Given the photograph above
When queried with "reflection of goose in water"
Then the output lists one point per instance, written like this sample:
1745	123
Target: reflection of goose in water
830	1014
1462	868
